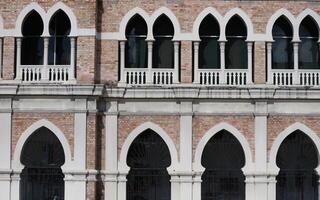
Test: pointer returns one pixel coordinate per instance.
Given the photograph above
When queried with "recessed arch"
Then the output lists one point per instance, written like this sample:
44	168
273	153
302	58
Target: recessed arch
244	17
17	165
123	167
125	20
201	17
283	135
308	13
214	130
279	13
167	12
68	11
25	12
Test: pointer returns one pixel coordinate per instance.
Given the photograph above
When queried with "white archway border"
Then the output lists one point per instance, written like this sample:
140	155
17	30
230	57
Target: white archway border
46	17
124	168
273	168
214	130
16	163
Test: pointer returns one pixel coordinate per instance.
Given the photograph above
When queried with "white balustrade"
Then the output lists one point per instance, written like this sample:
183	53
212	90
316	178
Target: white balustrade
36	73
135	76
163	76
139	76
309	77
282	77
233	77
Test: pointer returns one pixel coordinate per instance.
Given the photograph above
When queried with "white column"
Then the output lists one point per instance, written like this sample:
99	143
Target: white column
122	187
196	195
5	150
15	186
222	45
269	62
1	58
72	59
196	62
186	151
176	62
249	47
261	182
111	151
18	59
149	74
296	62
250	190
122	62
272	192
175	187
45	67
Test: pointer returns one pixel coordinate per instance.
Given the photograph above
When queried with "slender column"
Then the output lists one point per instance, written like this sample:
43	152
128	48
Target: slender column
272	182
249	47
149	74
15	185
269	62
122	187
261	182
196	62
186	150
222	62
45	67
176	62
18	59
250	190
196	187
1	58
72	59
122	62
175	186
111	151
296	62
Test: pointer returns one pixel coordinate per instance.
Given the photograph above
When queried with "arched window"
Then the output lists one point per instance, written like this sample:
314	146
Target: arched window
163	50
223	158
236	46
297	159
42	177
148	179
136	46
309	48
32	43
59	43
209	50
282	48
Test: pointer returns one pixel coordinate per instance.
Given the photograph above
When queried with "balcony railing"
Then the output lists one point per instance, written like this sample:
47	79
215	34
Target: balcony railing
143	76
287	77
233	77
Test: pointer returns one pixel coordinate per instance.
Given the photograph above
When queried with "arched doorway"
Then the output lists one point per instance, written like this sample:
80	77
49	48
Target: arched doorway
297	159
42	177
148	159
223	158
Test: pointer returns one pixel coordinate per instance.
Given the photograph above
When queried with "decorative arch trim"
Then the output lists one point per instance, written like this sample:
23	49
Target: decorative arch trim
69	13
165	11
124	168
125	20
208	11
29	8
214	130
283	135
287	14
310	13
17	165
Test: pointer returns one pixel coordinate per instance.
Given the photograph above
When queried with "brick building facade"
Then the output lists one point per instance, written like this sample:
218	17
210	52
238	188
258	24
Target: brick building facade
97	105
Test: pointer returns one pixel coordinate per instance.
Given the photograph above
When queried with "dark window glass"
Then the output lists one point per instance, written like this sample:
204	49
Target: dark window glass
236	46
32	43
59	43
42	177
282	48
136	45
309	48
148	159
223	158
209	50
297	159
163	49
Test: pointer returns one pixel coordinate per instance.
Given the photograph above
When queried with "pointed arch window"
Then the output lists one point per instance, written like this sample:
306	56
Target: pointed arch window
148	159
297	159
209	50
42	177
163	49
32	42
59	43
223	158
282	48
236	46
309	48
136	45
